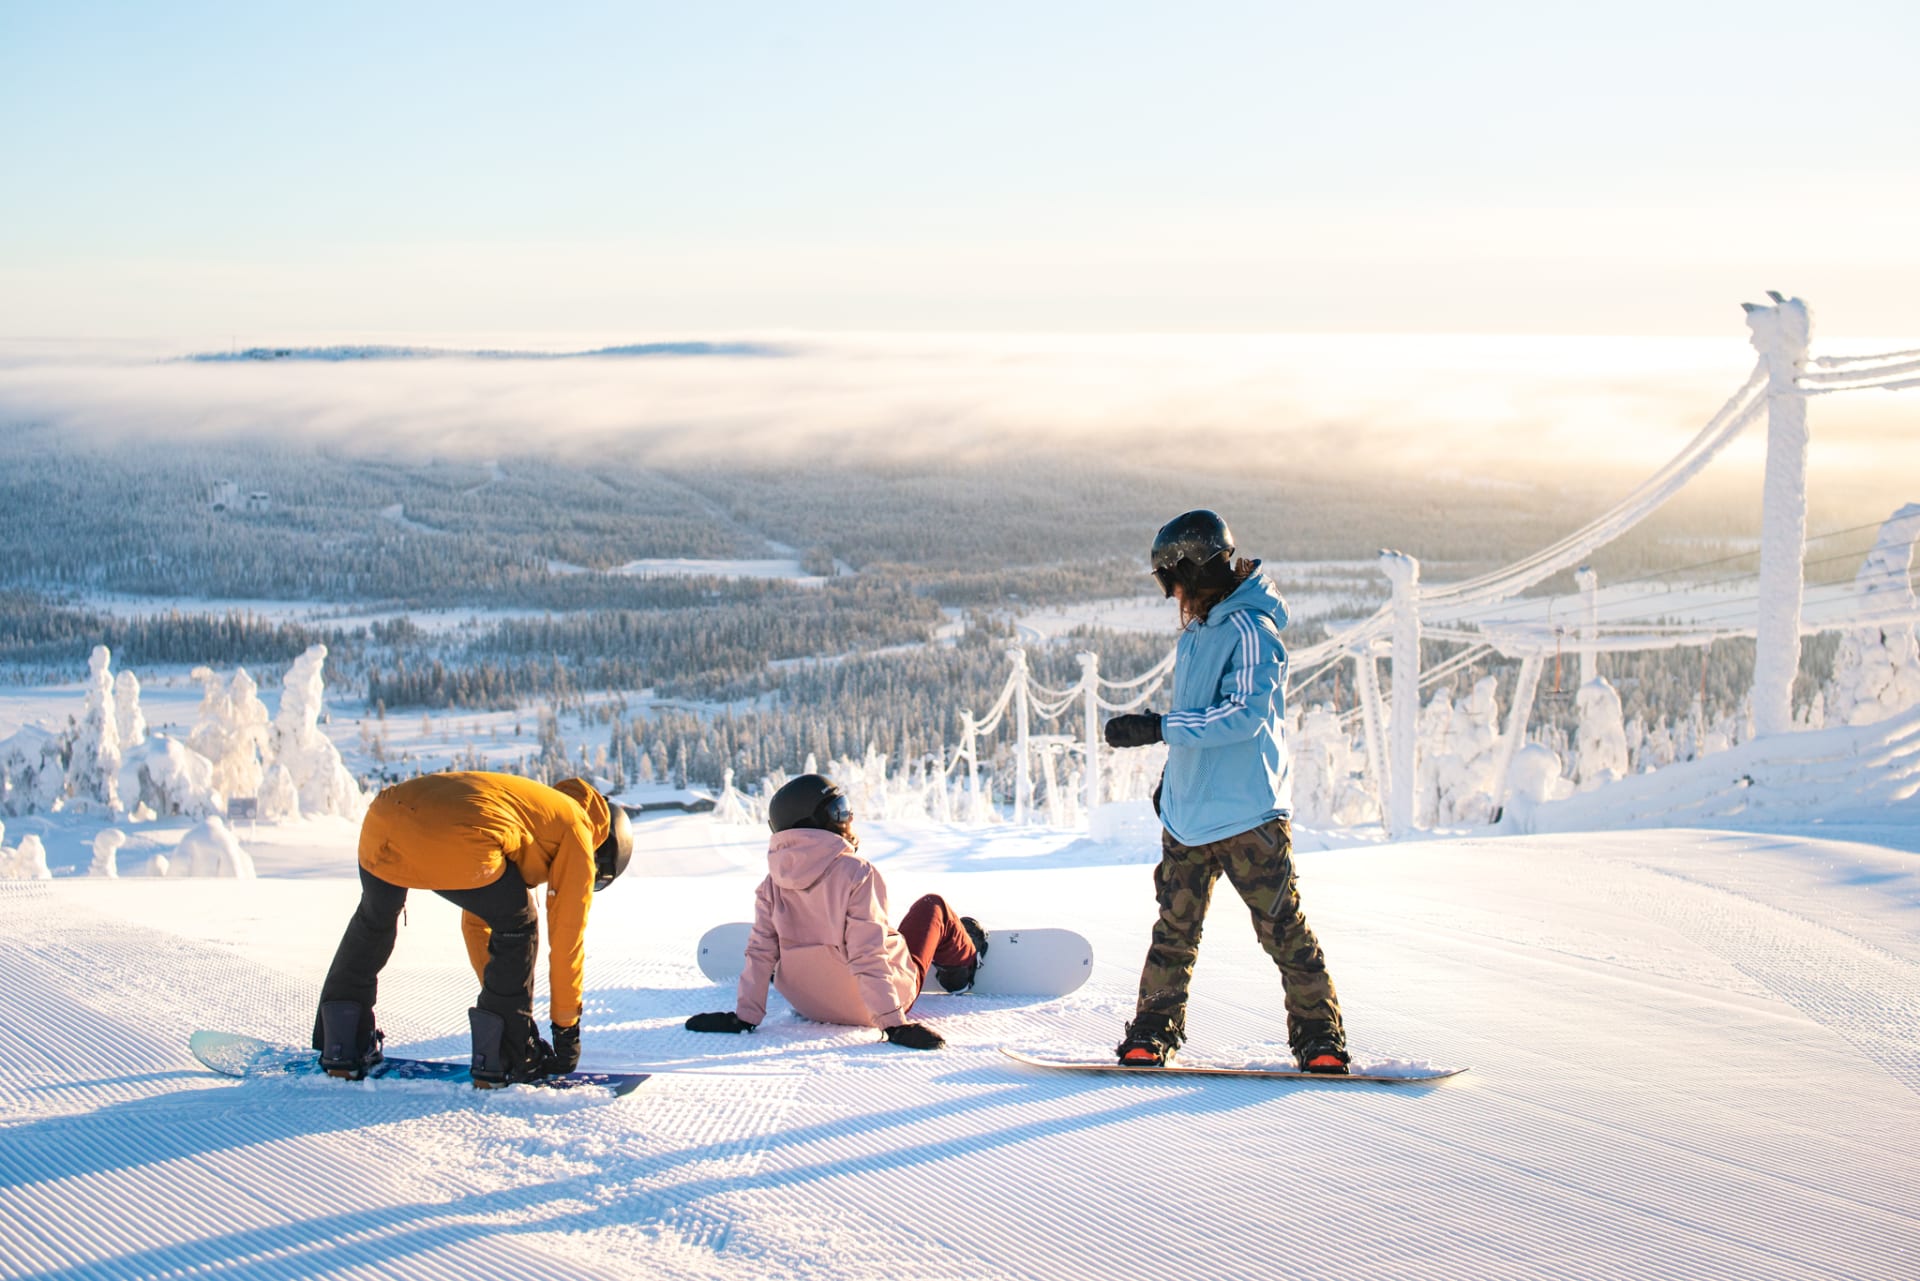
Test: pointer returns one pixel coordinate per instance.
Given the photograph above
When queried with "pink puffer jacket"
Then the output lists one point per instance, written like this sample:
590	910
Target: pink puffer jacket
820	933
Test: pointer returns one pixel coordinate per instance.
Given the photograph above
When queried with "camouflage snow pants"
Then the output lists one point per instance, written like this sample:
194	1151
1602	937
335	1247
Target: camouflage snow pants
1259	864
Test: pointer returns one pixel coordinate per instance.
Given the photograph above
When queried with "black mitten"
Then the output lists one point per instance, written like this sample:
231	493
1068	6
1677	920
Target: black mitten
719	1021
915	1036
1135	729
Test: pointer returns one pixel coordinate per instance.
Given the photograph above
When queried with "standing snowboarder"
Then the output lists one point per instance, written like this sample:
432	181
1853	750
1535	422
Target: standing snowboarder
479	841
820	931
1226	798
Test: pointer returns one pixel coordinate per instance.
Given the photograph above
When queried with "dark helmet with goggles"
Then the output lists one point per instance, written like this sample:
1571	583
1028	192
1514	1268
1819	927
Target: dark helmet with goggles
812	800
614	853
1191	550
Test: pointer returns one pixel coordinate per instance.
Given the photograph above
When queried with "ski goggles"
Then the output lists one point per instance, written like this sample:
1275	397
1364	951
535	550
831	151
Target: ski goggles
835	811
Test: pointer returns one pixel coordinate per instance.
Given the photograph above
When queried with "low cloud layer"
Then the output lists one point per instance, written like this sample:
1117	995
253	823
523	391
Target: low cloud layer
1499	407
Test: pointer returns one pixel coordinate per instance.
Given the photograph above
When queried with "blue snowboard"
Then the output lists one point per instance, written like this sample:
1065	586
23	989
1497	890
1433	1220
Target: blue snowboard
233	1055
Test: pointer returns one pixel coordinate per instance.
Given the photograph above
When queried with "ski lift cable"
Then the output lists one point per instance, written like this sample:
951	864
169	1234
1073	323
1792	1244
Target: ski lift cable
1681	569
1875	372
1615	605
1753	579
1742	608
1603	529
1739	411
1835	362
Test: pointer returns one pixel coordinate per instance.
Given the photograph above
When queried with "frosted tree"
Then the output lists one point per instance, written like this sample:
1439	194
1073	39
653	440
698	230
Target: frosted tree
1464	773
25	862
1319	766
127	716
211	849
106	849
1600	747
1876	672
231	731
279	795
32	776
93	762
297	745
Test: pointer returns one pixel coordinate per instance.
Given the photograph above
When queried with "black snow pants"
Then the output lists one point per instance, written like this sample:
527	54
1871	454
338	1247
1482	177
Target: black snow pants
506	987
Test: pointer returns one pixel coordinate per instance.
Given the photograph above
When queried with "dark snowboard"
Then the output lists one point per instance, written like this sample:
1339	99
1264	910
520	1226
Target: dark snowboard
233	1055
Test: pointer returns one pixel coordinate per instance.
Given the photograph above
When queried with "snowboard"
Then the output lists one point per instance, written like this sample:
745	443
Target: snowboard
233	1055
1041	962
1401	1073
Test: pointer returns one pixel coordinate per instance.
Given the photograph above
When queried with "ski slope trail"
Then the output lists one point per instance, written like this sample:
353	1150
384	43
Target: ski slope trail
1695	1055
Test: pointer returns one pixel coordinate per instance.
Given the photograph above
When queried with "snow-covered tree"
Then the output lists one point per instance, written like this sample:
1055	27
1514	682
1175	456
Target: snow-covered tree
1876	672
32	775
24	862
297	745
106	849
128	718
93	759
211	849
1600	750
231	731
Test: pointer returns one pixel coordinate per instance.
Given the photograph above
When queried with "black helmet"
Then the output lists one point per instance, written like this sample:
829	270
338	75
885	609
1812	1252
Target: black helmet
1186	545
812	800
616	851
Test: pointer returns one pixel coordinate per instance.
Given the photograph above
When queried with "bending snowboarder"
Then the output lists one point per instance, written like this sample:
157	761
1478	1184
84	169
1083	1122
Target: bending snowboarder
1226	797
478	840
820	932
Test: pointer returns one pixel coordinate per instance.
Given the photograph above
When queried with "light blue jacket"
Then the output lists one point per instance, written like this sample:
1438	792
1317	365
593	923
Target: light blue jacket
1227	765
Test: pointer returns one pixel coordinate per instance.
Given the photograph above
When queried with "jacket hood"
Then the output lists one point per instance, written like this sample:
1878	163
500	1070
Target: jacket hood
1257	593
800	856
588	798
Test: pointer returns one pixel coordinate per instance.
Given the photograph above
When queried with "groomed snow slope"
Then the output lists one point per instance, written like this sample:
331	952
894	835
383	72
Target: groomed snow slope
1694	1056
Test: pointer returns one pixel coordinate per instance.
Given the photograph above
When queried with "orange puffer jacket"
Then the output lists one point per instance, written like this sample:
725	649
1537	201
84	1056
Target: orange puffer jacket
820	933
459	831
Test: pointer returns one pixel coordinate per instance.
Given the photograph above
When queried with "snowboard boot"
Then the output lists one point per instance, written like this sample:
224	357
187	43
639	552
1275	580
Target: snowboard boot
1324	1062
502	1058
349	1043
1150	1042
958	978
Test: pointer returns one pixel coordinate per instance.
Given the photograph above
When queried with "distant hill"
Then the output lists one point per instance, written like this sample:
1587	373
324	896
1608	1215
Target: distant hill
629	350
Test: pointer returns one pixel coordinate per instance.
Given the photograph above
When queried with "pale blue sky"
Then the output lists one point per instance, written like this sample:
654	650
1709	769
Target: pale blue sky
195	170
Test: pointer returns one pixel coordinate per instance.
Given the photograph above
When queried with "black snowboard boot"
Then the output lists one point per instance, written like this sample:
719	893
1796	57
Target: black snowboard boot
1324	1061
349	1043
958	978
1151	1041
504	1055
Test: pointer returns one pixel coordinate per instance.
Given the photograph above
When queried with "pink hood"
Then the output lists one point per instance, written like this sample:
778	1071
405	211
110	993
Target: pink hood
820	935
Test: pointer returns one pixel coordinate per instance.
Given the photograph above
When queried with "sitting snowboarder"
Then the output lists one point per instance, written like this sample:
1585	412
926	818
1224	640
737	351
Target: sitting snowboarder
1226	797
820	931
479	841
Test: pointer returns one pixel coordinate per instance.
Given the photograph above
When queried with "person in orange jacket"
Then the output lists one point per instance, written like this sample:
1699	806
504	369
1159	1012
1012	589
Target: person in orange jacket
479	841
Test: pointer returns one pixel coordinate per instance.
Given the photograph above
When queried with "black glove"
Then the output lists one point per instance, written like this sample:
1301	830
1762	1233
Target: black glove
566	1050
1156	795
719	1021
915	1036
1135	729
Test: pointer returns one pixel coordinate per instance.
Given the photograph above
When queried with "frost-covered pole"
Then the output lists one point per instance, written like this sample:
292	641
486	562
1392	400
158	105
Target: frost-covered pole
1518	714
1366	686
1781	333
1589	584
969	737
1023	766
1090	683
1403	571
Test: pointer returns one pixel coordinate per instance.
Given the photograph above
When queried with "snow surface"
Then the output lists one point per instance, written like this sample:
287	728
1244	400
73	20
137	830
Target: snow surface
1694	1055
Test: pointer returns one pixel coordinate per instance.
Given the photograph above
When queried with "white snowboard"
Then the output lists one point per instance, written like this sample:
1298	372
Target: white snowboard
1041	962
